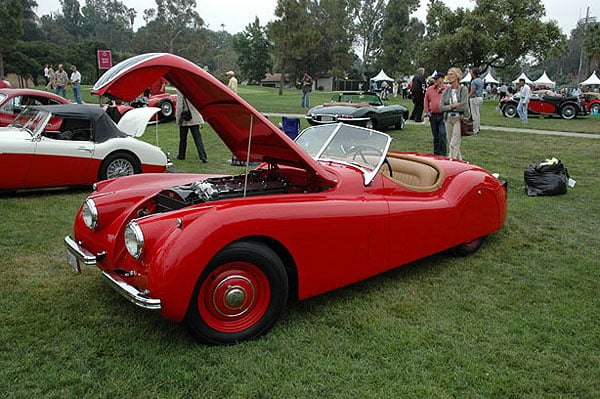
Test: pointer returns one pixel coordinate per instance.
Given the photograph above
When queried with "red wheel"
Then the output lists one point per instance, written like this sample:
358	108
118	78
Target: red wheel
239	296
468	247
234	297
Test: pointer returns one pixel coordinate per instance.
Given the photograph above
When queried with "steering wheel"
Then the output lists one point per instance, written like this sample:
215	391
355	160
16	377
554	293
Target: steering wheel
358	150
389	165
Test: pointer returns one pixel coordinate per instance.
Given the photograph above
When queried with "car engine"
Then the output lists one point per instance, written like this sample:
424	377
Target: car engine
258	182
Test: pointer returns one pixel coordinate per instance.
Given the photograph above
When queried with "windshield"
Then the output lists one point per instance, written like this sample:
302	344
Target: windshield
372	99
32	120
362	148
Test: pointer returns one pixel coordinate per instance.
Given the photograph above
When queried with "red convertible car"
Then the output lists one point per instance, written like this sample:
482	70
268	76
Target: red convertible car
592	103
165	102
223	254
568	107
13	101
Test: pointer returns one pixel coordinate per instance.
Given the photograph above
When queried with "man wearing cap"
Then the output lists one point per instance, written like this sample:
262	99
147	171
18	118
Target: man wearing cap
76	84
233	83
433	95
306	84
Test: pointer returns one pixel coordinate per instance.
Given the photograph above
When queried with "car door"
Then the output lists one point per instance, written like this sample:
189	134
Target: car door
540	106
16	152
62	159
420	223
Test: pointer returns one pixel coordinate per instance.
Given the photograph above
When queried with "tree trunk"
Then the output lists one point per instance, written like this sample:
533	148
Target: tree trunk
1	65
281	83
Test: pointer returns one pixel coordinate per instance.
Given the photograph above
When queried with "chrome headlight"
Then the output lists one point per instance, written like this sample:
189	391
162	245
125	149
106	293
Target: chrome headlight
134	239
89	214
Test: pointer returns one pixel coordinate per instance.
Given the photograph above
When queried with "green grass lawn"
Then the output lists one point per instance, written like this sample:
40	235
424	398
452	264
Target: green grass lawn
519	319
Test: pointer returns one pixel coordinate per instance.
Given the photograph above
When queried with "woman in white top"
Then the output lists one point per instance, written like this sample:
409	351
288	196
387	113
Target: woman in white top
455	103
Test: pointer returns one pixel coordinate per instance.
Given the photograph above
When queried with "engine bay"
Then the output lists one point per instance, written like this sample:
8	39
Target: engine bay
256	182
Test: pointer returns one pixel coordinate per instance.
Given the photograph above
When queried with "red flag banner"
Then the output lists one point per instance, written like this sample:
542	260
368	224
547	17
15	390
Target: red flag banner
104	59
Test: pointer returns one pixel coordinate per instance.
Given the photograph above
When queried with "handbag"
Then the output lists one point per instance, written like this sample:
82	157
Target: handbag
466	127
186	114
466	124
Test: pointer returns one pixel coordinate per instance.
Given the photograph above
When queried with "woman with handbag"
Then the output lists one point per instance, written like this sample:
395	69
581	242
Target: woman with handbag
188	118
455	103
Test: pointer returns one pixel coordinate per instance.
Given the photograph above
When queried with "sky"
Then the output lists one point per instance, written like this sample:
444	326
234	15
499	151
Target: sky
235	15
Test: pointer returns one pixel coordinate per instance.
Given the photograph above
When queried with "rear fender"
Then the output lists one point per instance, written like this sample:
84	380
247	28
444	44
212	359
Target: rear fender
480	202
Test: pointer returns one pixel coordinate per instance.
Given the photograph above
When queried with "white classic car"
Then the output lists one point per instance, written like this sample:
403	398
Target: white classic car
65	145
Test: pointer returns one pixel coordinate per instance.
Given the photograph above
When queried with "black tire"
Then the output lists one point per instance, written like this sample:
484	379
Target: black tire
468	248
167	111
371	124
117	165
239	296
509	110
568	111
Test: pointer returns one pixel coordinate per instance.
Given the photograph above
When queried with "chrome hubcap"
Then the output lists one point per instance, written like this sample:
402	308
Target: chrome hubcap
233	296
119	167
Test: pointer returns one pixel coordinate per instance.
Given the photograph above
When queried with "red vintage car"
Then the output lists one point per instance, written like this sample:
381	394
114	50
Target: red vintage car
224	253
567	107
592	103
13	101
164	101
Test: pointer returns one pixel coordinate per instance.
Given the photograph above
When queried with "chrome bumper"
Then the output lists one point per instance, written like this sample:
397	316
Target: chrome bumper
83	255
132	294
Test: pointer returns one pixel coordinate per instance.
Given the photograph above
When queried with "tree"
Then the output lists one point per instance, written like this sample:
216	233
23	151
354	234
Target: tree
401	36
11	26
31	30
333	19
496	33
369	16
252	48
110	21
591	43
72	18
170	27
293	37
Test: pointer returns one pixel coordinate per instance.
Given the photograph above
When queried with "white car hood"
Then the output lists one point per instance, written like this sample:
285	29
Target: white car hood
134	122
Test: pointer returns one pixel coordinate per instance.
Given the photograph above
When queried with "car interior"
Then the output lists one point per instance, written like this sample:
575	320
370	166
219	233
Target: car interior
413	173
74	130
16	104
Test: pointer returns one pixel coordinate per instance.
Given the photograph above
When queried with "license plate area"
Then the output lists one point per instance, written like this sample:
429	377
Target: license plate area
327	118
74	262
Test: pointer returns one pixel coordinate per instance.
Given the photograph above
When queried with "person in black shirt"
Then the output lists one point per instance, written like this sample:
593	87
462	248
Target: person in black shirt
418	94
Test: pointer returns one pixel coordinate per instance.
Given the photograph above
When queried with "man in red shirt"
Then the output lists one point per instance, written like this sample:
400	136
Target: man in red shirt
433	95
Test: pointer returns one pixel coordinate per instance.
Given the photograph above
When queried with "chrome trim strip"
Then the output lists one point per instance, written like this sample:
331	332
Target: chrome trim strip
84	256
131	293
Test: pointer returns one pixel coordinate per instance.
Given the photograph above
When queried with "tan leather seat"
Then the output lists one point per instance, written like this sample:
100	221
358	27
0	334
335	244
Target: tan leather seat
413	173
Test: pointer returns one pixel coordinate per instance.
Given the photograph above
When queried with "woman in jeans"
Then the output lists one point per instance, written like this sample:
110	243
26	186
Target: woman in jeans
455	103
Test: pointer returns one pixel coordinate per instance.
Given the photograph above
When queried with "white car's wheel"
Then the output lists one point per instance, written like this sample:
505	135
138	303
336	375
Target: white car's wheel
117	165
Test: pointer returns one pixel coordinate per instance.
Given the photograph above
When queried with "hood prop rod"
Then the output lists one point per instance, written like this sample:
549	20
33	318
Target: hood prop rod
248	155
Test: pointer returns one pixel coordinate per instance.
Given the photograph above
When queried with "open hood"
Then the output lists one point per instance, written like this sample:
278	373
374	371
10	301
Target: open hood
134	122
240	126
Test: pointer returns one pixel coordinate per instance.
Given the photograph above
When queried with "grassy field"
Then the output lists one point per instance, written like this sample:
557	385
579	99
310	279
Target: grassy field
519	319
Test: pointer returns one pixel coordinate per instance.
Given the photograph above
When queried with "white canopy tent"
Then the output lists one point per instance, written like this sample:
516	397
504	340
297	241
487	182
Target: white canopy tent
382	76
488	78
592	80
467	78
544	80
523	76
